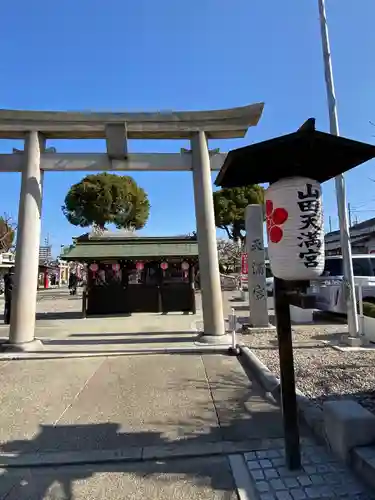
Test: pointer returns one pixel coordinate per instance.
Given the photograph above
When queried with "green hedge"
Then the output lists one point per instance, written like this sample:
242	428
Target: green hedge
369	309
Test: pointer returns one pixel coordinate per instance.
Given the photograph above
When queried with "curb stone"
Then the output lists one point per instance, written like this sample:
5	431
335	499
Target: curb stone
134	453
311	413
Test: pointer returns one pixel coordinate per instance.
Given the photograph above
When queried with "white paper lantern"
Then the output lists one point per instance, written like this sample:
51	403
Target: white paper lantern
295	228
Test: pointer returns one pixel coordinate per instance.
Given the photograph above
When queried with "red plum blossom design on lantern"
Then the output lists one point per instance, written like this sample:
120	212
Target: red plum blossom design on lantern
275	217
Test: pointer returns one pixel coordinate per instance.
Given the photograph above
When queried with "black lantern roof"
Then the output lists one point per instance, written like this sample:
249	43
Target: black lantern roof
306	153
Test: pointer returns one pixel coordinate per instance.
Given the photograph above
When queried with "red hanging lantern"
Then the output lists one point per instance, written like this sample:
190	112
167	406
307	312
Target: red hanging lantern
94	268
164	266
139	266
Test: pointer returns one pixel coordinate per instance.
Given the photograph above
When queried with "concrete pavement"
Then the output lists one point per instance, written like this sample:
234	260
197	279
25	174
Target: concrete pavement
91	417
65	334
192	479
109	403
151	427
138	409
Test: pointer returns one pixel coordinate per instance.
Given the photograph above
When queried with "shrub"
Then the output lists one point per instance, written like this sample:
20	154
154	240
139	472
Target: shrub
369	309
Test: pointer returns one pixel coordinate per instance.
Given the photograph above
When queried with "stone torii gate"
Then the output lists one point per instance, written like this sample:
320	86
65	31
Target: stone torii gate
36	127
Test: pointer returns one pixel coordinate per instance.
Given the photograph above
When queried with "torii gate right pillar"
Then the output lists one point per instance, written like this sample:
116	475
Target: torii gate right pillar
212	302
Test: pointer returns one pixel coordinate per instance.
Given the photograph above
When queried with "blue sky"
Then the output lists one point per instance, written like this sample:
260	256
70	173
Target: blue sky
122	55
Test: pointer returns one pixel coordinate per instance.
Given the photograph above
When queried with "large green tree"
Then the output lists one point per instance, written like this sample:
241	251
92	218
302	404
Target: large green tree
7	233
230	205
101	199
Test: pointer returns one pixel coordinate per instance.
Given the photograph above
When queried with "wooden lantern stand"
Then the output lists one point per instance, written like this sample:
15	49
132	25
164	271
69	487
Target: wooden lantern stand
288	385
304	153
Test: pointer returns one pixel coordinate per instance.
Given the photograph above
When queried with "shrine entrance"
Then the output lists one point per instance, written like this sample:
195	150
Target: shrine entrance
37	127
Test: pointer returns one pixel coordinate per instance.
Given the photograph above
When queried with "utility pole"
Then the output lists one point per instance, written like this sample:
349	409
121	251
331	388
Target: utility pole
330	223
350	215
339	181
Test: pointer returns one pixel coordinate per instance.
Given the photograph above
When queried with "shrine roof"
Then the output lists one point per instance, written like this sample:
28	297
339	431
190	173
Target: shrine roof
128	248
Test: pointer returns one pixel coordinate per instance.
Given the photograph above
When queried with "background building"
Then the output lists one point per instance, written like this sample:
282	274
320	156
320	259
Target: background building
362	237
45	253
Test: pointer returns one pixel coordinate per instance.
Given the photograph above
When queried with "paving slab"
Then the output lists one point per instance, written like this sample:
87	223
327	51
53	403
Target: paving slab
243	410
189	479
36	393
140	401
105	403
133	401
65	334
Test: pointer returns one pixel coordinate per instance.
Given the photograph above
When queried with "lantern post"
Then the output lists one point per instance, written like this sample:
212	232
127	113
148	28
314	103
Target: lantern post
296	252
287	377
295	165
339	181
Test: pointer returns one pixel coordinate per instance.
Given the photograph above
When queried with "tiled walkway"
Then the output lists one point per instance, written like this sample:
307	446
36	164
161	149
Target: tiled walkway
321	476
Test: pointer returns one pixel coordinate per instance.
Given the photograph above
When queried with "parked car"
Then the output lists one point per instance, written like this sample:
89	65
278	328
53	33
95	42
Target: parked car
329	289
269	286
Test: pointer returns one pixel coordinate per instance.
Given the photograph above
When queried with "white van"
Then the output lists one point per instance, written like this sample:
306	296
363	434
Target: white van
329	289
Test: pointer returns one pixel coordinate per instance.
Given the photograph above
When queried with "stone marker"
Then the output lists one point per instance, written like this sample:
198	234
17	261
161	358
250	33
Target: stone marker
256	267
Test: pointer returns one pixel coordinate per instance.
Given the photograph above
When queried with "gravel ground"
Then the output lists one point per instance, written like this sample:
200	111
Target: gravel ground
322	372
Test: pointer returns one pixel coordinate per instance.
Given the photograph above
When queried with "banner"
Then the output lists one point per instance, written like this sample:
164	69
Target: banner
244	264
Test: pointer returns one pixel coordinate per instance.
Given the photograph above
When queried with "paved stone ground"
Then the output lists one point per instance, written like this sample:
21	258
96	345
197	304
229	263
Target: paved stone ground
321	476
171	426
187	479
159	405
65	333
116	402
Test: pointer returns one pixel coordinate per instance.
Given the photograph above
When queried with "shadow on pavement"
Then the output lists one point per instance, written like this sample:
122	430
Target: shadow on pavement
59	315
131	334
58	481
123	341
242	413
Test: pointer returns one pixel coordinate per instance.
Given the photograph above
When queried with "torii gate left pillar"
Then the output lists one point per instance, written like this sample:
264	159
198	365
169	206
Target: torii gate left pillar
22	323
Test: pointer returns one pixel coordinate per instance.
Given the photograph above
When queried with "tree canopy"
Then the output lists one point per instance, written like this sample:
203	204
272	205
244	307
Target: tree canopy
101	199
230	205
7	233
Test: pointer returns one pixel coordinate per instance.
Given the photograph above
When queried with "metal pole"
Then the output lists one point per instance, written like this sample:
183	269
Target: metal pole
360	300
339	181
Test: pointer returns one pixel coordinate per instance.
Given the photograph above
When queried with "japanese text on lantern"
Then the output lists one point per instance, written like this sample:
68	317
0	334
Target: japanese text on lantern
309	203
